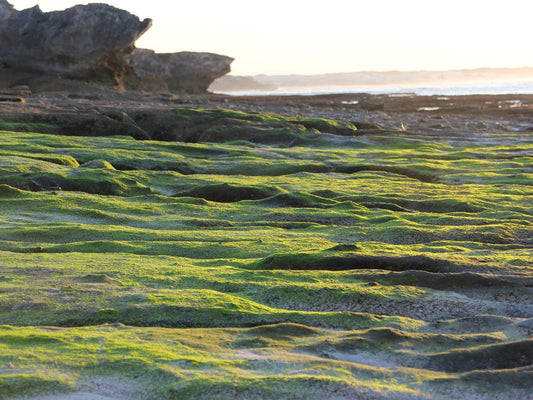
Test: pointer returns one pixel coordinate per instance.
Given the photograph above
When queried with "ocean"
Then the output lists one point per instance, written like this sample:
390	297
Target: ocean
427	89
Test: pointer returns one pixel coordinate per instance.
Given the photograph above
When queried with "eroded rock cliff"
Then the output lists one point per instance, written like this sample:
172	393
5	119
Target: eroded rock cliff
94	43
68	42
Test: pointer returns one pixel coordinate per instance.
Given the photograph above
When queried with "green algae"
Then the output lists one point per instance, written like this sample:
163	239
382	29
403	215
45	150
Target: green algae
276	257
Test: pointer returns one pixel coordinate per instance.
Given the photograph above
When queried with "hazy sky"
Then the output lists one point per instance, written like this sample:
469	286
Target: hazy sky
310	36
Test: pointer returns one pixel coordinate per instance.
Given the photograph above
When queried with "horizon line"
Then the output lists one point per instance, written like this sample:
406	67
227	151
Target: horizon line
387	71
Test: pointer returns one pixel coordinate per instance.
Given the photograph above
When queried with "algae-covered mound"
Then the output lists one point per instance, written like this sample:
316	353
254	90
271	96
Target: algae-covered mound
183	124
221	254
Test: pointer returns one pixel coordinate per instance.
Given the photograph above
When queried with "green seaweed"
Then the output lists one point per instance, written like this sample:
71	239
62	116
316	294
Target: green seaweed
273	257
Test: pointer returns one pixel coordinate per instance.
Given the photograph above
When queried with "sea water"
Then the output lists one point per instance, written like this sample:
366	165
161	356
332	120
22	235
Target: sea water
426	89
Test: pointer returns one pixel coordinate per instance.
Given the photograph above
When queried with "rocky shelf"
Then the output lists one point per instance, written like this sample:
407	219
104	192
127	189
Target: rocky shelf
181	246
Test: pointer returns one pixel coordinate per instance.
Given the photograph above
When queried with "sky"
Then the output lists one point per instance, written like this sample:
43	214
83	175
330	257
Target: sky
328	36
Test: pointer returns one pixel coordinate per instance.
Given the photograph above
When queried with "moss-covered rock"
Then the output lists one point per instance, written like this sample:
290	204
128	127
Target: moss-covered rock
285	258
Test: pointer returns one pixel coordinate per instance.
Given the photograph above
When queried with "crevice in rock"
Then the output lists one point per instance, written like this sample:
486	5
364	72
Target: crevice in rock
226	193
306	261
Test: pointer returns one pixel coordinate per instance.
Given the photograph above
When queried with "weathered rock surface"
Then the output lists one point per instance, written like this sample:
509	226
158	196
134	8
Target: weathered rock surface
6	10
187	71
69	42
92	43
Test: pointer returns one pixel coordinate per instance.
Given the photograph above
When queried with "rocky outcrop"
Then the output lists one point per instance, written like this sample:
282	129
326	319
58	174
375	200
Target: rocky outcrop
92	43
6	10
184	71
69	42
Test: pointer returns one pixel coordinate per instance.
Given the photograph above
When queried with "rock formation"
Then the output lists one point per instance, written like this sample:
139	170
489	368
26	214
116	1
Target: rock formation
68	42
6	10
187	71
92	43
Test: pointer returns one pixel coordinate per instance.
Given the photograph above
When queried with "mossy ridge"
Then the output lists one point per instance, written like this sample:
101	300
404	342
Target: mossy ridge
203	125
226	193
195	250
26	127
183	361
408	349
298	291
192	118
97	300
43	176
254	161
397	203
307	261
7	191
509	380
54	158
27	383
501	356
177	352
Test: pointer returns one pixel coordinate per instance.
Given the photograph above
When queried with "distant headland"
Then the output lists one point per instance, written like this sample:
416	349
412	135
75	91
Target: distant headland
232	83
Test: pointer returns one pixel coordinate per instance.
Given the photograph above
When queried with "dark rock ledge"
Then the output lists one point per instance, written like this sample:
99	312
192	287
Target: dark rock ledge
91	46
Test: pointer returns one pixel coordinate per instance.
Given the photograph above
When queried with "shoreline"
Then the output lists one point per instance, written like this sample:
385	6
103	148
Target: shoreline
421	89
386	102
460	115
